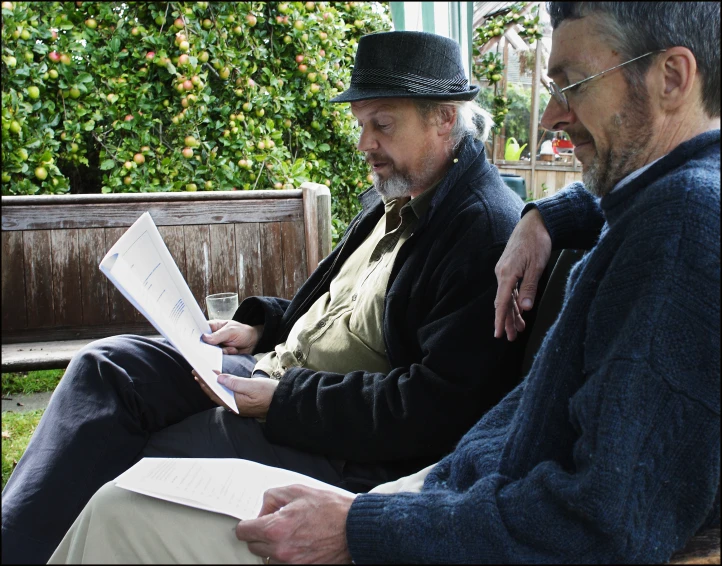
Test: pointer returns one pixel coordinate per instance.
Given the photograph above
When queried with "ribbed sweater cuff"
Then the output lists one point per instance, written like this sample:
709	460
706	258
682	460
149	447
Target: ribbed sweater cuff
365	527
572	217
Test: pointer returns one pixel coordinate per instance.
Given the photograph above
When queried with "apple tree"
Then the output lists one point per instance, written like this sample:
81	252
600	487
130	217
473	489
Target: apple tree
182	96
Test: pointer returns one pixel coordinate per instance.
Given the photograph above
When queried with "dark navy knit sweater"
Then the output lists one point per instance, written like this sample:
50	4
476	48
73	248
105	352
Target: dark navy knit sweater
609	451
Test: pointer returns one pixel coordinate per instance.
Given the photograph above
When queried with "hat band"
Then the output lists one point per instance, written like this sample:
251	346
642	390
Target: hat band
381	79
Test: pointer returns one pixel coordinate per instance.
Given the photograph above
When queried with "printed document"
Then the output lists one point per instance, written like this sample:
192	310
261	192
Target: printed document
141	267
222	485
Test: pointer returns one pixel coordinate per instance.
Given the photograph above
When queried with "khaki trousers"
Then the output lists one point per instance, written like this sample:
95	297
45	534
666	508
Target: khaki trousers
118	526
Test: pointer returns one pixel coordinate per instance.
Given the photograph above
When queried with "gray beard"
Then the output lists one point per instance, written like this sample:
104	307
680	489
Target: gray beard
396	186
634	133
400	185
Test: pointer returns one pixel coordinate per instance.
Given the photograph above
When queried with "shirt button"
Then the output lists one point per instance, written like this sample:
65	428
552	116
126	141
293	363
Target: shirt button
353	298
298	354
322	324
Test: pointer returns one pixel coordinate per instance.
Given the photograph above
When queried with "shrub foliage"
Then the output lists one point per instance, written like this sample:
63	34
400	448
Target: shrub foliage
181	96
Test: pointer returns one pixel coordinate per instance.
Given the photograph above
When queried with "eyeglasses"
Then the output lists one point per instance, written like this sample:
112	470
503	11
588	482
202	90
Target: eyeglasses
558	93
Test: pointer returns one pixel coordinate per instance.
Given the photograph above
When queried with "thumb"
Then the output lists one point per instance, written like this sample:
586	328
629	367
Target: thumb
221	334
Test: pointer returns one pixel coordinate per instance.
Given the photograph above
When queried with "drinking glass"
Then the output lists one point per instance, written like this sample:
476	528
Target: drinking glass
222	306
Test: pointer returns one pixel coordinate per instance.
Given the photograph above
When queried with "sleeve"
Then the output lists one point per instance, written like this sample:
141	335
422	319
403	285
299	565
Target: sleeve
268	311
572	216
419	410
641	474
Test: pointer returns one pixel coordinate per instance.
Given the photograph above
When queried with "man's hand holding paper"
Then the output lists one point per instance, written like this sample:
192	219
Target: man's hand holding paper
233	337
253	395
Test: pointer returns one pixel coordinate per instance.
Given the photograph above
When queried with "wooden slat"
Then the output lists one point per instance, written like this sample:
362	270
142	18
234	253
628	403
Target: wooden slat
67	303
77	332
120	309
703	548
248	260
272	260
198	244
223	259
13	282
570	177
164	214
121	198
55	354
93	284
293	248
174	241
37	250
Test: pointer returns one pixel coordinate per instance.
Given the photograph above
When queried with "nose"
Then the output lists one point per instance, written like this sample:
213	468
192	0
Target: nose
556	116
367	141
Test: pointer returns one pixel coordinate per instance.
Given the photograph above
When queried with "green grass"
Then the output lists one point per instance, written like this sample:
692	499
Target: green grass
31	382
17	428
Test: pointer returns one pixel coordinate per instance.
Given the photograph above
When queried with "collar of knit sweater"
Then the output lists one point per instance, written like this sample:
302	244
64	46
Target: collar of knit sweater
707	142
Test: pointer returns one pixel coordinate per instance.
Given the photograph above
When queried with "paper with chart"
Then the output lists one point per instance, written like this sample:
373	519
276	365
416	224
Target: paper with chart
222	485
141	267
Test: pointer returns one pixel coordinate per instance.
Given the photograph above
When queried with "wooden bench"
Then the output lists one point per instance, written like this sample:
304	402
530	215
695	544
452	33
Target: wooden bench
55	299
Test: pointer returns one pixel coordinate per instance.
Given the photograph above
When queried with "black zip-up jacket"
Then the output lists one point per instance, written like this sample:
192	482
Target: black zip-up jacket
438	326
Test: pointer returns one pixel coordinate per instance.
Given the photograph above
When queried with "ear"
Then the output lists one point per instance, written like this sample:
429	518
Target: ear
676	83
445	119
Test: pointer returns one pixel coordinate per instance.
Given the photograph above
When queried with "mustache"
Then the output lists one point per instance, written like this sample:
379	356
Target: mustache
579	138
376	157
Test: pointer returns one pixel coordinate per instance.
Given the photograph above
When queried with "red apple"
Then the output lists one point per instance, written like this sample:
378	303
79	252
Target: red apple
54	56
139	158
299	58
150	55
251	19
128	117
187	152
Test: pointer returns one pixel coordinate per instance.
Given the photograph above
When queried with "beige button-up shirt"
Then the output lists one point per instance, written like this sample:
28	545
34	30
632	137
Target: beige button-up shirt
343	330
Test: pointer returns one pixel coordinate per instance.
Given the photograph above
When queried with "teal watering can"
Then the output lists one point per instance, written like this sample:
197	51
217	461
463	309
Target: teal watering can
512	151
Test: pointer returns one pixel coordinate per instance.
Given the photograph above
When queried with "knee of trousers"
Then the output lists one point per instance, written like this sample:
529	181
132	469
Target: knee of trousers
87	363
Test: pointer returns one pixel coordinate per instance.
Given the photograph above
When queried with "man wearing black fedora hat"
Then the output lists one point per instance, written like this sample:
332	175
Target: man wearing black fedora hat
378	365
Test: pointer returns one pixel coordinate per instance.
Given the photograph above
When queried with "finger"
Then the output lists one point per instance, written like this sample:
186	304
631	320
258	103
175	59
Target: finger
216	324
502	302
253	531
528	288
501	305
519	322
509	326
264	550
274	499
229	350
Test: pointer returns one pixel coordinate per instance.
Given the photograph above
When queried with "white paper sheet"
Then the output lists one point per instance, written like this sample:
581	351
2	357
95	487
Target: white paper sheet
141	267
228	486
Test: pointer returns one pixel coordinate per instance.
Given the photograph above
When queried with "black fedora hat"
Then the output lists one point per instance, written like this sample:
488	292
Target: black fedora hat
408	64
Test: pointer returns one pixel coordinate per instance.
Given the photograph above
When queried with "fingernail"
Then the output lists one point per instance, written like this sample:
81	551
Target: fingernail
526	303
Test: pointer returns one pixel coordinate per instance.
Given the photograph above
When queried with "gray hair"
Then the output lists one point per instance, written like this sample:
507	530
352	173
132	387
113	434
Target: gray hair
471	119
635	28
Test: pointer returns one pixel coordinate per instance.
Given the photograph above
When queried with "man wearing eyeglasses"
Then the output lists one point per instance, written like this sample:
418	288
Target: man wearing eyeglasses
609	451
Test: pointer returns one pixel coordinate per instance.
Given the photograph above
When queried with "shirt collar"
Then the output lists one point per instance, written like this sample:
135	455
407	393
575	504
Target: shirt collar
634	174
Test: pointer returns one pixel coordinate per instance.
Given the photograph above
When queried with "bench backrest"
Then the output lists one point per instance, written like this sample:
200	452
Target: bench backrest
256	242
